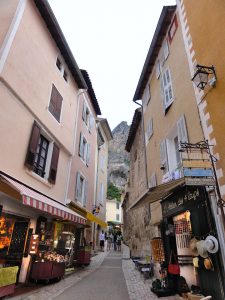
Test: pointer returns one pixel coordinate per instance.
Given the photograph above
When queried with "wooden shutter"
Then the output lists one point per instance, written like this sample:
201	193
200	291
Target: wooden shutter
150	128
77	191
88	154
55	104
182	130
166	49
54	164
33	144
163	155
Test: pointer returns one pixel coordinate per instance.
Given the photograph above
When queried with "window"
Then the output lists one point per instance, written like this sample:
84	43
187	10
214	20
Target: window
152	181
101	193
81	189
149	132
146	95
157	69
176	144
84	149
59	64
117	217
65	76
87	117
182	130
173	29
163	156
117	205
55	104
39	158
167	89
102	162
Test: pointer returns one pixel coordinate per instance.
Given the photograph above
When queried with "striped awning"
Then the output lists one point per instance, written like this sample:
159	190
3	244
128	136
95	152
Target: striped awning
43	203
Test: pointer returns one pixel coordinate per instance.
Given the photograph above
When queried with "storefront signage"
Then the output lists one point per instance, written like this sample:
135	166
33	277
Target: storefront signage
197	172
34	244
182	199
200	181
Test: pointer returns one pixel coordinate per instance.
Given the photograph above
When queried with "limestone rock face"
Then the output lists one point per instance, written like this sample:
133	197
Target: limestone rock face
119	160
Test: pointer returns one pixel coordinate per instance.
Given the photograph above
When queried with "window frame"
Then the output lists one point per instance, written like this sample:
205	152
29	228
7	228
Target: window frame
167	89
81	188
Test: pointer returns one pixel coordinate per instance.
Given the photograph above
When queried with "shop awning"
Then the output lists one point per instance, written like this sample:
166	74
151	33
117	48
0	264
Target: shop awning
95	219
158	192
43	203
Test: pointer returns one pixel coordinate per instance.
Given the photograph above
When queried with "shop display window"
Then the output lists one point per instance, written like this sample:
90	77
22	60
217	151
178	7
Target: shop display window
6	230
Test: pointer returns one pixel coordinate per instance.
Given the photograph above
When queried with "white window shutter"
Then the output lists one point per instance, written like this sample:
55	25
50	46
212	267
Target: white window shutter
167	88
157	70
163	155
77	192
150	129
182	130
152	182
166	49
88	154
85	190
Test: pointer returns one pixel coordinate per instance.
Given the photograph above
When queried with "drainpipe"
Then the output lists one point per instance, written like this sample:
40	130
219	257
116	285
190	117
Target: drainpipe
80	92
143	136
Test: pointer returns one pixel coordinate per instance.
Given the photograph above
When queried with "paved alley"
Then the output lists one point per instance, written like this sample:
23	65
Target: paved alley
107	282
111	275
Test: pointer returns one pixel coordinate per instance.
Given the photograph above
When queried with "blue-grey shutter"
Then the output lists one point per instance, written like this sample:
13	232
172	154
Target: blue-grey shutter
77	196
88	154
85	192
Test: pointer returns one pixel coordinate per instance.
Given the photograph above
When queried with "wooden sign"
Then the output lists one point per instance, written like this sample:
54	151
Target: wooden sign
197	164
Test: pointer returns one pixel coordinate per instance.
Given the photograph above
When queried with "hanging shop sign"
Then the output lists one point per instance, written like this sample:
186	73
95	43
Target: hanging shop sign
197	165
182	200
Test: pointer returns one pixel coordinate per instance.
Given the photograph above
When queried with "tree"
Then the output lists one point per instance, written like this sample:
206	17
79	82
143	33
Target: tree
113	192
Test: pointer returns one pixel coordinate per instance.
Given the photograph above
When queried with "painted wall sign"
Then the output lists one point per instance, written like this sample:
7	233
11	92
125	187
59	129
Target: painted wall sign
182	200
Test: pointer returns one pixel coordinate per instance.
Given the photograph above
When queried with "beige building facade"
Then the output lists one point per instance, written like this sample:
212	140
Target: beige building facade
170	117
49	144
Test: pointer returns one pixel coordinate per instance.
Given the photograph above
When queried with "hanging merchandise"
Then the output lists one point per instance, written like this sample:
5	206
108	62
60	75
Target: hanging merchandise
193	247
208	264
202	248
211	244
173	268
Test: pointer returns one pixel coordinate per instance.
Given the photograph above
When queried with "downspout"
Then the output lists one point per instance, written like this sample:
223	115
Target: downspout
143	136
80	92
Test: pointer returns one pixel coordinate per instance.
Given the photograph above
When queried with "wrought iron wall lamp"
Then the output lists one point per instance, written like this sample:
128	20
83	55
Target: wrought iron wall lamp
204	75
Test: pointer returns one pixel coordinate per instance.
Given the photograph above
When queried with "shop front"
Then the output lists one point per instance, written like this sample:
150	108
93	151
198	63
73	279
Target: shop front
37	234
187	227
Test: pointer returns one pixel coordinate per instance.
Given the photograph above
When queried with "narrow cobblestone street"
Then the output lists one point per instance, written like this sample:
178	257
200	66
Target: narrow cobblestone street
111	275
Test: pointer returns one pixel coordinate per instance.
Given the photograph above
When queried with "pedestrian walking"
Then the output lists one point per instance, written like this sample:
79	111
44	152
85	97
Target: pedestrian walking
119	241
115	241
109	241
102	240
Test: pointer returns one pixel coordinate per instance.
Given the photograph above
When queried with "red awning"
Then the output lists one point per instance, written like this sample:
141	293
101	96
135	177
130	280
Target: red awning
43	203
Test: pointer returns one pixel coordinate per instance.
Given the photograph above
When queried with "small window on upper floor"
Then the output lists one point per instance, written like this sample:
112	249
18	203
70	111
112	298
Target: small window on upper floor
147	94
81	189
55	104
117	217
84	149
42	155
87	117
65	76
167	90
173	29
117	205
59	64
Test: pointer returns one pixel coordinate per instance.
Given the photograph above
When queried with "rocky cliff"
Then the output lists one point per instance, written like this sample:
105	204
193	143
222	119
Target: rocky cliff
119	159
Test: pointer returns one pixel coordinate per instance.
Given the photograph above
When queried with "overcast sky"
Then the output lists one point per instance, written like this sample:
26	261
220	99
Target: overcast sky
110	39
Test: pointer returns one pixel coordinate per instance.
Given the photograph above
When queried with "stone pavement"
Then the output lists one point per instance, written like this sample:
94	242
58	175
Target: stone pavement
138	289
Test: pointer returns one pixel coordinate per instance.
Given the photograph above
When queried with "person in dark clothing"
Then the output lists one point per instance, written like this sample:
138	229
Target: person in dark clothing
115	241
